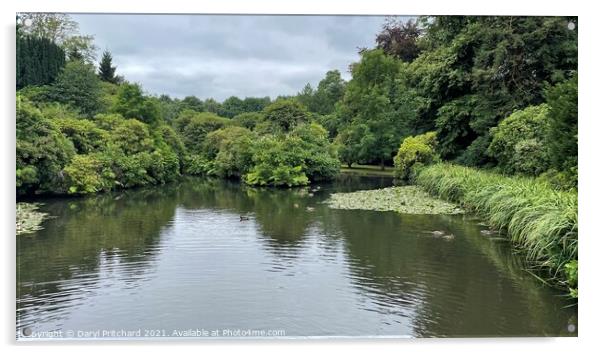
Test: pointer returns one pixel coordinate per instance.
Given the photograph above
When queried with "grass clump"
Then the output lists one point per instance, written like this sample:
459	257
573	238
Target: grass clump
537	218
406	200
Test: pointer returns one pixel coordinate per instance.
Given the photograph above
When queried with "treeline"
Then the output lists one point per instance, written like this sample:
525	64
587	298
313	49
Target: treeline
497	92
460	77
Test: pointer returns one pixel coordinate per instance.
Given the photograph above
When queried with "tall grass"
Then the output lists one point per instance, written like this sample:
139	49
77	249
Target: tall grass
537	218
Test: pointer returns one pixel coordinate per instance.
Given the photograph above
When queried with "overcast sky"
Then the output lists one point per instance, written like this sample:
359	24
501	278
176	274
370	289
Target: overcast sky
221	56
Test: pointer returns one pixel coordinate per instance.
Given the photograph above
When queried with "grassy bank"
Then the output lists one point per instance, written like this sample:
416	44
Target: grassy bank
537	219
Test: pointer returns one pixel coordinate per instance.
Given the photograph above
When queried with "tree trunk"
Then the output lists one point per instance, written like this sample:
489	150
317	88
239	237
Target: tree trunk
349	164
382	164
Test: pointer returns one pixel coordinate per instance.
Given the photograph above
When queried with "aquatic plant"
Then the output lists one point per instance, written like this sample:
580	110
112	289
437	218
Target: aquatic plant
28	218
537	218
406	199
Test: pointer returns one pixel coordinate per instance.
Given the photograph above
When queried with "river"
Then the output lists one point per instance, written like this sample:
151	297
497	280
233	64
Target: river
177	260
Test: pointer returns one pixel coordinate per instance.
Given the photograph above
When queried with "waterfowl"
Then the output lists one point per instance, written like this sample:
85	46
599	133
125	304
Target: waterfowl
244	218
449	237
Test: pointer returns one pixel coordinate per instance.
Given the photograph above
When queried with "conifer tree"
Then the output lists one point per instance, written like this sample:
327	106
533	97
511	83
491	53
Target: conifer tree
106	71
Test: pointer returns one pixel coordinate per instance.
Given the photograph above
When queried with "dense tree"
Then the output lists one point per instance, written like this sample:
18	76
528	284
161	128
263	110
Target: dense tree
286	114
230	148
249	119
330	90
79	86
194	127
41	153
212	106
131	103
39	61
561	136
61	29
106	70
399	39
370	100
475	71
192	103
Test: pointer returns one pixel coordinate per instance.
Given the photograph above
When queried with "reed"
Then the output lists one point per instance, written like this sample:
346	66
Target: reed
537	218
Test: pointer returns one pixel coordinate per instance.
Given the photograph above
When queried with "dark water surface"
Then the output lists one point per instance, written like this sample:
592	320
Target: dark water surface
178	258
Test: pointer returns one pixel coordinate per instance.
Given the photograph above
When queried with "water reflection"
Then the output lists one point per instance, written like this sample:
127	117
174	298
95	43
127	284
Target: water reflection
179	255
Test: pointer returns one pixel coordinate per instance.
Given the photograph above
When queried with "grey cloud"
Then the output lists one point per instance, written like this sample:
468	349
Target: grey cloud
220	56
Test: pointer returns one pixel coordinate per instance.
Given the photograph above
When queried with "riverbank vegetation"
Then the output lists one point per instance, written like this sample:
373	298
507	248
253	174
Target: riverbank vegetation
491	93
536	217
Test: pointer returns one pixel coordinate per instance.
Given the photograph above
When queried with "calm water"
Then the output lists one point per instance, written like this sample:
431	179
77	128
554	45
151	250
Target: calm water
178	258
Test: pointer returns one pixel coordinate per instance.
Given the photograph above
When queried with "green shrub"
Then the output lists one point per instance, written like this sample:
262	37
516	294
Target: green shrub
249	119
131	103
320	161
194	127
88	174
132	136
518	142
230	149
276	165
84	134
286	114
197	165
78	86
41	151
415	152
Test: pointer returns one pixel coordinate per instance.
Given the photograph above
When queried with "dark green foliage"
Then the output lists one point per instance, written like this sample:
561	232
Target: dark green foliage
131	103
353	144
78	86
234	106
106	70
169	136
370	102
475	71
192	103
248	120
286	114
561	135
39	61
231	106
329	91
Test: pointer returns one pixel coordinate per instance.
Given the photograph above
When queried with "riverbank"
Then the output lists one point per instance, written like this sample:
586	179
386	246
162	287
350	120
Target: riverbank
537	219
367	170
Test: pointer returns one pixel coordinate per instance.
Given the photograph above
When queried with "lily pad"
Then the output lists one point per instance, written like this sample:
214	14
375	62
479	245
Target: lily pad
405	200
29	218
